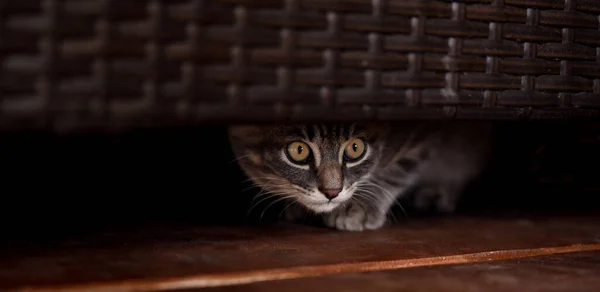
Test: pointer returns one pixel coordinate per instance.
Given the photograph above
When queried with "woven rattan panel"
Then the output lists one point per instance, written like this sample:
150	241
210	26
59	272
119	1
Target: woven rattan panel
75	64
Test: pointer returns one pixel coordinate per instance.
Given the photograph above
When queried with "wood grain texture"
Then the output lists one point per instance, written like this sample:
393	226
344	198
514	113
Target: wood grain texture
229	279
163	258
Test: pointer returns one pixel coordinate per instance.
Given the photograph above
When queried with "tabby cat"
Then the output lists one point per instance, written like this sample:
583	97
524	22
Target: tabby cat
352	174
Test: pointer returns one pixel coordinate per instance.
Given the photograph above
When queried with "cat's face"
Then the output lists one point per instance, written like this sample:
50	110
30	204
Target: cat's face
319	166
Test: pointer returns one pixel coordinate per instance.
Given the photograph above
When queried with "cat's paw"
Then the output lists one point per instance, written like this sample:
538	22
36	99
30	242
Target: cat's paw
354	217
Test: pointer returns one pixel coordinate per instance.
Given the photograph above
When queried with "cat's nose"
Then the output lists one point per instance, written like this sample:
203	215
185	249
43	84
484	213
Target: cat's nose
331	193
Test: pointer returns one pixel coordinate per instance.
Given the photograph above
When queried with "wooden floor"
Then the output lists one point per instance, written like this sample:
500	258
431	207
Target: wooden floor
468	253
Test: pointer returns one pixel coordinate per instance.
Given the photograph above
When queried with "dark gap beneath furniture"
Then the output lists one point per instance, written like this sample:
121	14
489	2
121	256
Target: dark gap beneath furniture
59	186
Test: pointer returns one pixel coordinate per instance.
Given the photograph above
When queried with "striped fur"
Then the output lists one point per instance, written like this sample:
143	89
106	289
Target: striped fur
437	158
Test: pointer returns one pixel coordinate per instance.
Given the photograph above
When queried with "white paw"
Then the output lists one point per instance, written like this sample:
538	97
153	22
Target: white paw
354	217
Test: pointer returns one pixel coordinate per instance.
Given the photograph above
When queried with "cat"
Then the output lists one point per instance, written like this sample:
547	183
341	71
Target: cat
352	174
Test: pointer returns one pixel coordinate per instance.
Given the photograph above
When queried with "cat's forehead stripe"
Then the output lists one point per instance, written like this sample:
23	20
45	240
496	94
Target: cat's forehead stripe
319	132
316	133
324	130
351	130
302	132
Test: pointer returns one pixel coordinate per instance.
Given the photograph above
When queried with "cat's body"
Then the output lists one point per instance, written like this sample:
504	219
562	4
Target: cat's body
353	174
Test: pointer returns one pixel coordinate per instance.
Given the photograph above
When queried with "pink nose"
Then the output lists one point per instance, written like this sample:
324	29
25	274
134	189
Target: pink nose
331	193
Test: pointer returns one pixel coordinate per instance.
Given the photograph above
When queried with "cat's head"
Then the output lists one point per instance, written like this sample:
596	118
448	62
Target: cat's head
318	166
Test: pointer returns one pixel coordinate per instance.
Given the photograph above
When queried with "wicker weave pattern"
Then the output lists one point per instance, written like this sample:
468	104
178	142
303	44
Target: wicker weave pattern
99	63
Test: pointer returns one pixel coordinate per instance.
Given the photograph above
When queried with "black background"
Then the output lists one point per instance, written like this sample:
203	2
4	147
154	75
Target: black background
55	185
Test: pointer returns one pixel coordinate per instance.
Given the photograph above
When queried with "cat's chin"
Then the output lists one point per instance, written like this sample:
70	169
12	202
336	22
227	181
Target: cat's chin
322	207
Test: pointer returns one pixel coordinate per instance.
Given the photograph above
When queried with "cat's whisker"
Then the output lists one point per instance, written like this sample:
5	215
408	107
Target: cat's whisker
270	192
401	209
358	196
397	203
384	191
268	196
238	158
248	180
287	206
270	178
262	193
389	196
253	186
273	203
283	189
368	183
363	196
254	178
368	196
390	214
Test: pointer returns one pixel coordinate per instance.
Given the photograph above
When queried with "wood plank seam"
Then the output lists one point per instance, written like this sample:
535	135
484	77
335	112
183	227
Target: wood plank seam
247	277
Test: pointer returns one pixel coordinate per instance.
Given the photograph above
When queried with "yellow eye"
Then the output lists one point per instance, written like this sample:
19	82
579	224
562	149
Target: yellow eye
355	149
298	152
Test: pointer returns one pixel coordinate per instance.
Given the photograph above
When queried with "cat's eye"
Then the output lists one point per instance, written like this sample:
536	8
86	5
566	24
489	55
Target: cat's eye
298	152
355	149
